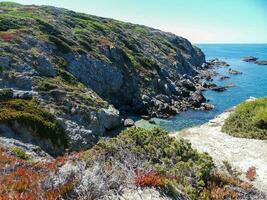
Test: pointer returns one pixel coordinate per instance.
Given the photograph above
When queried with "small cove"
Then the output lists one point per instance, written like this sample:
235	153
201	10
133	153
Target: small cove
252	82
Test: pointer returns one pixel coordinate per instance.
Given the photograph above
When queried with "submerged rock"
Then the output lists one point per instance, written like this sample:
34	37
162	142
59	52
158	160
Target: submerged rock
223	78
234	72
230	85
151	121
218	88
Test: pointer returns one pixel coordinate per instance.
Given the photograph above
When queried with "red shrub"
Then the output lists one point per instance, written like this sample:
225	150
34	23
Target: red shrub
7	36
150	179
21	180
251	173
218	193
58	192
103	41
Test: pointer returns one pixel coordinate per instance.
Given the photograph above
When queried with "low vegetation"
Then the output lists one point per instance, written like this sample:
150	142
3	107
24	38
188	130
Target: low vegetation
249	120
150	158
154	156
137	158
30	114
84	34
20	153
23	179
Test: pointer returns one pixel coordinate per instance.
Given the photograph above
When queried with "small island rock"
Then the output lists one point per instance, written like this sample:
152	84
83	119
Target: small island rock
234	72
261	62
249	59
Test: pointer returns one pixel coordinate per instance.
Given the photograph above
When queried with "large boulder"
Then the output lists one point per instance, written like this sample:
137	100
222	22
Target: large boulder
217	62
128	122
197	98
109	117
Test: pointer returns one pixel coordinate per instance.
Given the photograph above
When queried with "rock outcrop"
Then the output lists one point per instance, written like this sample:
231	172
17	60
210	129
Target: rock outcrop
85	69
261	62
250	59
217	62
254	60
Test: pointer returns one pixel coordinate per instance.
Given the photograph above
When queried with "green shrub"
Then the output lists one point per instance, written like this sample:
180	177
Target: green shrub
20	153
176	160
260	118
9	4
7	23
141	30
6	94
249	120
45	85
28	113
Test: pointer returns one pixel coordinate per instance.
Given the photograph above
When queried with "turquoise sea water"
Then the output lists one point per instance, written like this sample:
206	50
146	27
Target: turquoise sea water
253	82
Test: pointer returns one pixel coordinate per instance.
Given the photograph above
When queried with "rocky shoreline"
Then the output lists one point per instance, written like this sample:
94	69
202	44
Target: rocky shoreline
240	153
203	81
93	72
93	80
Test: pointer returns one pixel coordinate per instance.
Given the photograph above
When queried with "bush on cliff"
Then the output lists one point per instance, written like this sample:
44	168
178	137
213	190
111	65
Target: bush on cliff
249	120
29	114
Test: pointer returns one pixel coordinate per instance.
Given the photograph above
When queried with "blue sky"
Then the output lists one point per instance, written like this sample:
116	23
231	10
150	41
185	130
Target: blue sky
200	21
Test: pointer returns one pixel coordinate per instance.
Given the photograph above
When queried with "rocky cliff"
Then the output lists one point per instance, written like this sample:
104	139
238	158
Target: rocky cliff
85	69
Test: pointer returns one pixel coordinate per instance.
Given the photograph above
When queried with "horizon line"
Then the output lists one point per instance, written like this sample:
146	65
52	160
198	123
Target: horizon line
244	43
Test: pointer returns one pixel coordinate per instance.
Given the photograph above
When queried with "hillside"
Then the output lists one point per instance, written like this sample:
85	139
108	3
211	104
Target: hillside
249	120
85	69
68	83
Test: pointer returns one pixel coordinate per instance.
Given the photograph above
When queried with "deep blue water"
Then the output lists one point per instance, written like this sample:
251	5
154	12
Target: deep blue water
253	82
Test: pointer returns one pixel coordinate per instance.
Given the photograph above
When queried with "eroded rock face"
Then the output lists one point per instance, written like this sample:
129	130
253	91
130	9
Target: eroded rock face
77	66
102	77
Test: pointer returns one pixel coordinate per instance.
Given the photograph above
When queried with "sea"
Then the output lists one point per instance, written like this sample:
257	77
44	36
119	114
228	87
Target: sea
251	83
